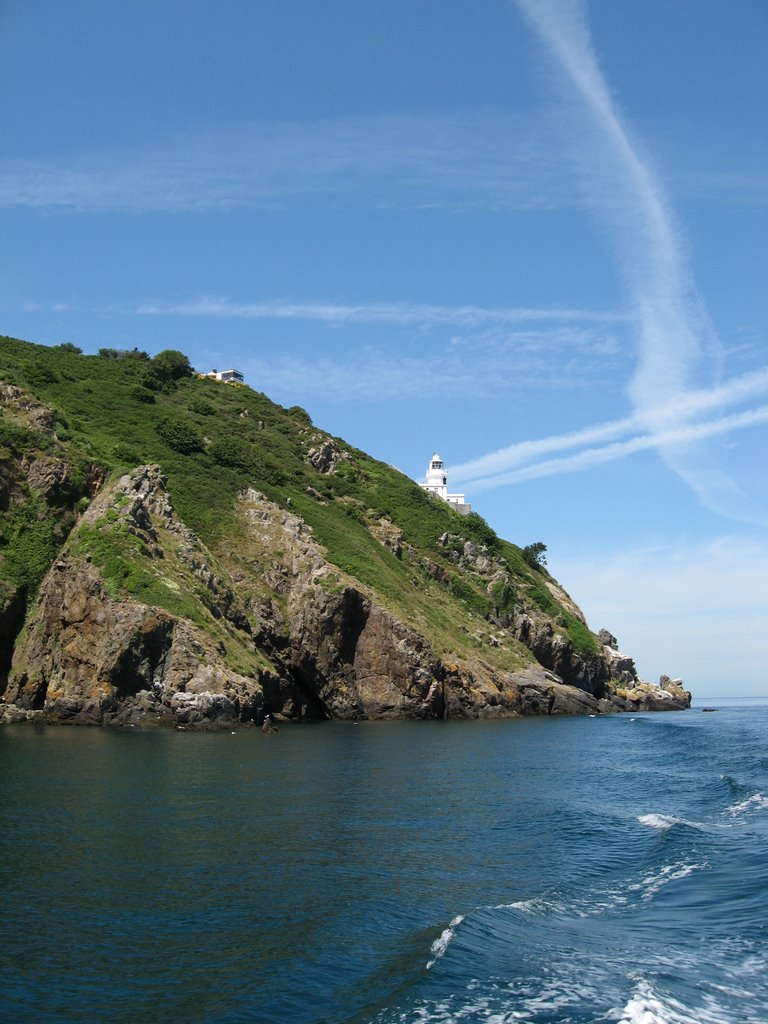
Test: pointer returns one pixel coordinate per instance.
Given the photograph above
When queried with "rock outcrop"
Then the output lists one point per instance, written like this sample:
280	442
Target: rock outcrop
622	668
588	672
88	657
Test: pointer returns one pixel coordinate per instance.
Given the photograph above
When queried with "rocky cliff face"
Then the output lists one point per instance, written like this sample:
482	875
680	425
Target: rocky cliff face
329	649
114	611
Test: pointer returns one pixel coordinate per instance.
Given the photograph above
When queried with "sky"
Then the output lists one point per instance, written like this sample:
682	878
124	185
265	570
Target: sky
530	235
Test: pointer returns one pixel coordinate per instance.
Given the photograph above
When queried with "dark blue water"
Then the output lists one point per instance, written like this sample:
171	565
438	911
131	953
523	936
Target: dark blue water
576	870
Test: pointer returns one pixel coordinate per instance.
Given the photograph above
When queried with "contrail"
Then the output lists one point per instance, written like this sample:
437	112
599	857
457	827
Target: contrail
590	457
685	407
677	346
674	333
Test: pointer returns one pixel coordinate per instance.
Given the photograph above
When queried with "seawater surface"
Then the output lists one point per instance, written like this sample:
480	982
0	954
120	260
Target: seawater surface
545	870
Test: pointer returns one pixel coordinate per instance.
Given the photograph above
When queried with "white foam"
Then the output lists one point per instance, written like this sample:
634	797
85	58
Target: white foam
656	880
665	821
660	821
522	1001
541	906
645	1007
757	802
526	906
648	1007
443	941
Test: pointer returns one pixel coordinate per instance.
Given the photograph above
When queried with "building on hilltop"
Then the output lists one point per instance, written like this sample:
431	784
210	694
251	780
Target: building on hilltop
227	376
436	482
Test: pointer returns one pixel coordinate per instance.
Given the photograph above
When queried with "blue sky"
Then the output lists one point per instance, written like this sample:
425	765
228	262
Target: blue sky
530	235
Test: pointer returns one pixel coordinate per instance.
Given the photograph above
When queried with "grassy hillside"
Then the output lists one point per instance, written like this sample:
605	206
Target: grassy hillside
213	440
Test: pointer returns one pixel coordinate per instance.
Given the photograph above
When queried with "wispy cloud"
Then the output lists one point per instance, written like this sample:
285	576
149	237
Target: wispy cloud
477	372
473	351
743	188
465	351
483	158
392	314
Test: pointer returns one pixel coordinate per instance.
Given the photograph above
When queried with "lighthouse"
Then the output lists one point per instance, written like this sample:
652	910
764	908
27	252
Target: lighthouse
436	482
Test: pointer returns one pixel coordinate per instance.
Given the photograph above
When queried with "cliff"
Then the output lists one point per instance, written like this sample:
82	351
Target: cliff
179	550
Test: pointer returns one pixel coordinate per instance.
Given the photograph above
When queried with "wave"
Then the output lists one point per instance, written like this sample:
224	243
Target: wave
656	880
662	822
750	804
746	803
604	900
443	941
547	906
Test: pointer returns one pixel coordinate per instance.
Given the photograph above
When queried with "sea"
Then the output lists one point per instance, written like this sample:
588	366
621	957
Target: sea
579	870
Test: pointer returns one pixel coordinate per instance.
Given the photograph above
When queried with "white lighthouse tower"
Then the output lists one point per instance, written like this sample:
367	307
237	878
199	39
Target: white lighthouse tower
436	482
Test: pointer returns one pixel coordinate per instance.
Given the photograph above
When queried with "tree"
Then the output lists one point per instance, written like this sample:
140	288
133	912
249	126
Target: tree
165	369
534	554
123	353
171	365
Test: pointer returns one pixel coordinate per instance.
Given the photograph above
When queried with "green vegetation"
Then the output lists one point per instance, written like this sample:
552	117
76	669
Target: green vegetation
535	555
179	435
119	353
584	642
120	409
28	543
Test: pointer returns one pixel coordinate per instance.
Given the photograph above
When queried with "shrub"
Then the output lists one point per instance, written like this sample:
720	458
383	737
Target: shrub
13	437
30	544
541	597
461	589
142	394
123	452
180	436
201	407
297	413
583	640
502	596
231	451
38	375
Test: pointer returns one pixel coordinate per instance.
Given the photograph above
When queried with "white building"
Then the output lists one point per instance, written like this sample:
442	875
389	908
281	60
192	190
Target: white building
436	482
228	376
